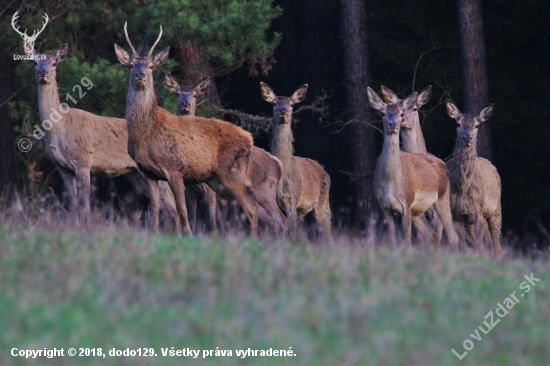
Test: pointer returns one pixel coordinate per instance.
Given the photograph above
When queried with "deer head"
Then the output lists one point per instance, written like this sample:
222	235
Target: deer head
392	114
409	119
141	67
467	124
187	95
283	106
32	38
45	65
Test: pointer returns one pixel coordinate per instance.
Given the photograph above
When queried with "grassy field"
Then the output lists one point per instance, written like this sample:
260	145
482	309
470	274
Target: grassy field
350	304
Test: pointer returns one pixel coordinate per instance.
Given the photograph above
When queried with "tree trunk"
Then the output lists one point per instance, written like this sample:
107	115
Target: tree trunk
8	170
357	79
474	69
195	68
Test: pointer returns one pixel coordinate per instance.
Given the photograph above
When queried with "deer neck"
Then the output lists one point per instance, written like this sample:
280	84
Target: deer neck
462	166
413	139
141	105
389	163
48	102
282	143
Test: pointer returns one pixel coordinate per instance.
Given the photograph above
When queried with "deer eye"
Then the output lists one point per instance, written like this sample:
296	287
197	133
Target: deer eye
54	63
402	114
150	66
476	126
131	65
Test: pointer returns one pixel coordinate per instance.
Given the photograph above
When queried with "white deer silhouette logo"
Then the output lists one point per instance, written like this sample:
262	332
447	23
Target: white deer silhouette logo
32	38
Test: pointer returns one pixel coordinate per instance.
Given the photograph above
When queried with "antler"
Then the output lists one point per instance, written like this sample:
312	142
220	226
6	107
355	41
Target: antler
158	39
128	39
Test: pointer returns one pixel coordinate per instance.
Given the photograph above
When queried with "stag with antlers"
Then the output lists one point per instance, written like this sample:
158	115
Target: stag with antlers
182	150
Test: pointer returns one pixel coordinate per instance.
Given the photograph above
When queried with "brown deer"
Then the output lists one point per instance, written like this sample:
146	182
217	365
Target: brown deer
475	182
81	143
182	150
304	186
412	140
264	170
197	195
408	184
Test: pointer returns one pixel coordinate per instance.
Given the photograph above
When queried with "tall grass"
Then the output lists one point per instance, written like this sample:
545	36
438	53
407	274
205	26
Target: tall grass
356	303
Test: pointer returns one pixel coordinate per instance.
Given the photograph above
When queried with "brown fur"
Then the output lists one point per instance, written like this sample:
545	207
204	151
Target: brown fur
408	184
304	186
412	141
264	170
82	143
182	150
475	182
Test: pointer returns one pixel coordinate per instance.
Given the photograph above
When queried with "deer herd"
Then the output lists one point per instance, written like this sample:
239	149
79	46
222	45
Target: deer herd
185	164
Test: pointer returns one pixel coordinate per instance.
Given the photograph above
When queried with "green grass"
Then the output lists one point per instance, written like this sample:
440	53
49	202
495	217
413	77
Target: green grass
345	305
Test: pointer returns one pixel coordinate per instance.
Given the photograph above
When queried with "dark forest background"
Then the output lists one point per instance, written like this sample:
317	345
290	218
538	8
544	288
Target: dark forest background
408	46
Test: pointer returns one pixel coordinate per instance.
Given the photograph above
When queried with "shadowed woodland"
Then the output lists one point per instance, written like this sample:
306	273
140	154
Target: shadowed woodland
338	48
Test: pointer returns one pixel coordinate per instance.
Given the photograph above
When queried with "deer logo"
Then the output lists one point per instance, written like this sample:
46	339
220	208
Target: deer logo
32	38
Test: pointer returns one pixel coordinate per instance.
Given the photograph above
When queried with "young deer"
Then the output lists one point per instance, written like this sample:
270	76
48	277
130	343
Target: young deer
81	143
178	149
264	170
197	196
305	186
408	184
475	182
412	141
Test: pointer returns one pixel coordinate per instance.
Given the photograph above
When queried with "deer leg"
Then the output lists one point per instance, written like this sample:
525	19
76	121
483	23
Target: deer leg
208	204
322	213
178	189
422	228
406	220
391	228
191	198
69	179
323	217
495	222
169	203
270	213
438	228
83	188
234	181
153	186
443	209
222	213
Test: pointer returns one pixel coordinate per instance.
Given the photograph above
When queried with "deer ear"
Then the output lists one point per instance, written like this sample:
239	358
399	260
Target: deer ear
424	96
267	92
161	57
375	100
486	112
171	83
29	50
452	109
203	85
389	96
410	101
299	94
122	55
61	52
